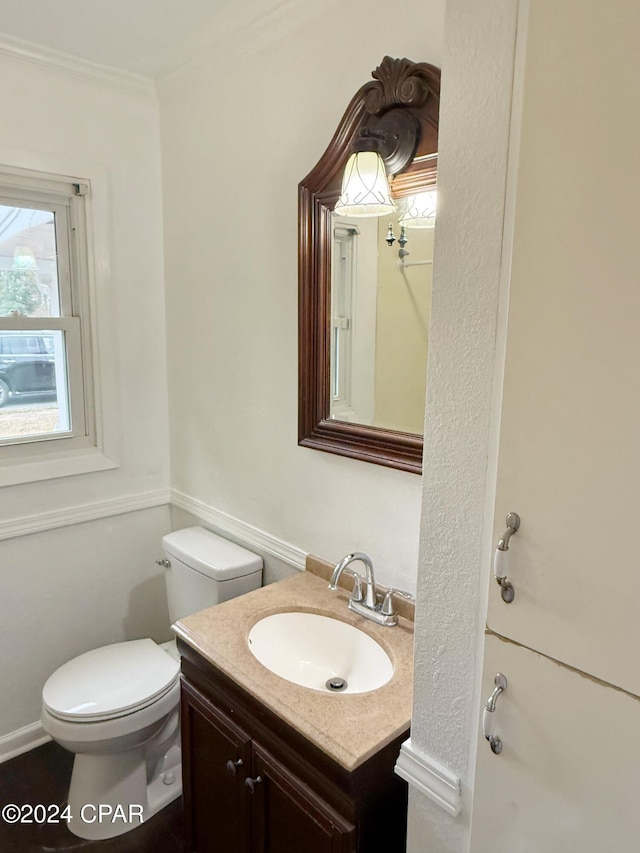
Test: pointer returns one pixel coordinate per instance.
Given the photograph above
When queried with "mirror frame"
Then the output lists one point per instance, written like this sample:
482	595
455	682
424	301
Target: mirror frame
397	83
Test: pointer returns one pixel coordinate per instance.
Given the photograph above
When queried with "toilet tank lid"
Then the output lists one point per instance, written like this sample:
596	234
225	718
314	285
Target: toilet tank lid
210	554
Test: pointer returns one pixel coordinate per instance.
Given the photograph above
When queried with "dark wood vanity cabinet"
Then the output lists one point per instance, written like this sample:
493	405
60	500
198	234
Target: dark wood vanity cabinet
252	784
290	817
215	754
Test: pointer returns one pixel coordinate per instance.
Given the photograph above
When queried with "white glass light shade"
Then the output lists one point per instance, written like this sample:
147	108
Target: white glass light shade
365	189
419	211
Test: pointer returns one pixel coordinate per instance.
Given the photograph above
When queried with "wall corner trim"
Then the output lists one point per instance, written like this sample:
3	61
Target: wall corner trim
430	778
246	533
22	740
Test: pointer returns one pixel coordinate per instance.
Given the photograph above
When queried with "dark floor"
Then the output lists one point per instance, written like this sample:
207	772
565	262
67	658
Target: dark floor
42	777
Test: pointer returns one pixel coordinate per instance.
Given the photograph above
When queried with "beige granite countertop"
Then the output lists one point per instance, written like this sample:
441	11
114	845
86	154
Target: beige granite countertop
348	727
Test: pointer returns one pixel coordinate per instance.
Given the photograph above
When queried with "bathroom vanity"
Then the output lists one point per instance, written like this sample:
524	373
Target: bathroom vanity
272	766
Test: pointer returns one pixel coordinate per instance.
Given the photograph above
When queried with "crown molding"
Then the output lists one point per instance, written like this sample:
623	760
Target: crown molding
248	32
245	533
281	19
251	30
84	69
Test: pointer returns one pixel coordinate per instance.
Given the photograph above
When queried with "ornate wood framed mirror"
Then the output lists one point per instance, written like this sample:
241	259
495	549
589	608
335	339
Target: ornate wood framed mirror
403	96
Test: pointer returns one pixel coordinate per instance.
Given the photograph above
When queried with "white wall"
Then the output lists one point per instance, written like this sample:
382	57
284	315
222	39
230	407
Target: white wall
239	131
69	589
71	124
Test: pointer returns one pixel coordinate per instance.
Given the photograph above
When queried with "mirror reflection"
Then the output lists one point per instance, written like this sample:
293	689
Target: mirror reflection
380	309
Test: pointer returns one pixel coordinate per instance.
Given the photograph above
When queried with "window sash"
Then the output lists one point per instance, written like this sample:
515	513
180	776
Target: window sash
75	378
61	209
65	197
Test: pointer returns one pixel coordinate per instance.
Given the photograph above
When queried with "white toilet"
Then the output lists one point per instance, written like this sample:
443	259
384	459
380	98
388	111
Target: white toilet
117	707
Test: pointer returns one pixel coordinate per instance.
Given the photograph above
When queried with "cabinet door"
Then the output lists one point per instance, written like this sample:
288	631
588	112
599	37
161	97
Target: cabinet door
568	459
568	776
288	817
215	757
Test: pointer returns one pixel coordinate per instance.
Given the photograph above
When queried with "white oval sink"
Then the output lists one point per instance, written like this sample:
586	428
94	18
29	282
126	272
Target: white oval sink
315	651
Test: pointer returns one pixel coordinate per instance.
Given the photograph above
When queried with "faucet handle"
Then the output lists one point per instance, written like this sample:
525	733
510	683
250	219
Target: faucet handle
387	603
357	593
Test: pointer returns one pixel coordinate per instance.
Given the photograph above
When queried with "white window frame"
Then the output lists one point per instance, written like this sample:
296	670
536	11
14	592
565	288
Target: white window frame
41	457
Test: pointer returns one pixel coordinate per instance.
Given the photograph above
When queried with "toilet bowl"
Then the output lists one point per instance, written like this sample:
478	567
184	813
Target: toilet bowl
117	707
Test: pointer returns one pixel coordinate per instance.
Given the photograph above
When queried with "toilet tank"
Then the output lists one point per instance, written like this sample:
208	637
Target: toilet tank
202	569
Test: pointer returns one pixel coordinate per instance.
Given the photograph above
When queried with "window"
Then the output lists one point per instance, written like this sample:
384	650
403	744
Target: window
46	383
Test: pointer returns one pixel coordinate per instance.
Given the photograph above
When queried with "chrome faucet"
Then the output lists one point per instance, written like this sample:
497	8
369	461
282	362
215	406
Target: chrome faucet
366	603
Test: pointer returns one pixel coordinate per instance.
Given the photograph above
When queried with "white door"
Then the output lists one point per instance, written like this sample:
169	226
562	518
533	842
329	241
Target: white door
569	457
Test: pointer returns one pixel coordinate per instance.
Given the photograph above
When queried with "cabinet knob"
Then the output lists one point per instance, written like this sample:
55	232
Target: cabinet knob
251	783
232	766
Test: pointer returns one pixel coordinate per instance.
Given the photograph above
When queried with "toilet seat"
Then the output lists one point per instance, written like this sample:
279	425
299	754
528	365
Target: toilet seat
110	682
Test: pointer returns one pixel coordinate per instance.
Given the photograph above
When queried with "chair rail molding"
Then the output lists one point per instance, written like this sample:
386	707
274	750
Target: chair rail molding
27	524
249	535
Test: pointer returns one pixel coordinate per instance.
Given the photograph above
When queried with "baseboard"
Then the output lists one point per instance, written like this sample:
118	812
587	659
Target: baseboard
246	533
430	778
22	740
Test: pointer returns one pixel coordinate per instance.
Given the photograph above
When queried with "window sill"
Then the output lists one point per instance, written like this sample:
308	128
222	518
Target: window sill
63	464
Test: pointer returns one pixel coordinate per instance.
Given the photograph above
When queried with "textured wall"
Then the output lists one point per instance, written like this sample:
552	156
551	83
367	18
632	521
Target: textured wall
458	479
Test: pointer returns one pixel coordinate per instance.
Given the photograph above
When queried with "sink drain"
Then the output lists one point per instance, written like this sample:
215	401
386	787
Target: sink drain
336	684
